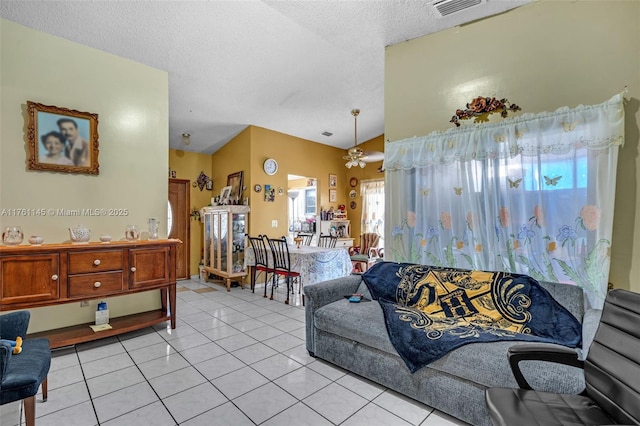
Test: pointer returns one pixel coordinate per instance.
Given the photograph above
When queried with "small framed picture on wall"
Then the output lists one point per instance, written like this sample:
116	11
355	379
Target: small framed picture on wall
333	195
333	181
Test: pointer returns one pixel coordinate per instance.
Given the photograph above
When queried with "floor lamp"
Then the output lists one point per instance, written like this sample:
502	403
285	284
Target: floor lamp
293	195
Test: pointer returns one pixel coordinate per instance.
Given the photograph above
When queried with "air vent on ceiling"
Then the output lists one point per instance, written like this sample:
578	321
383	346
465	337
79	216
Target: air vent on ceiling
327	134
447	7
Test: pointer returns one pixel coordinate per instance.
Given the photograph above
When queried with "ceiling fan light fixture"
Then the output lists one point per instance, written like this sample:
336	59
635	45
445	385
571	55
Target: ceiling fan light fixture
355	155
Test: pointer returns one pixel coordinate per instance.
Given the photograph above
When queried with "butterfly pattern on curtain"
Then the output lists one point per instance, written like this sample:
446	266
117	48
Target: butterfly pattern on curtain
531	195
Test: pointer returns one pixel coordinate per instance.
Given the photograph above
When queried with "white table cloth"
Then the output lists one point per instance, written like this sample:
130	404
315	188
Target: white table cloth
315	264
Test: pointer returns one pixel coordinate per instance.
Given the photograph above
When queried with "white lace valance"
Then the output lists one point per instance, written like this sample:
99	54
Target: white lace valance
372	186
525	135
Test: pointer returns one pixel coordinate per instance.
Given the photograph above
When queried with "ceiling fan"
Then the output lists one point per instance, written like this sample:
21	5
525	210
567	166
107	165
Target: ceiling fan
355	155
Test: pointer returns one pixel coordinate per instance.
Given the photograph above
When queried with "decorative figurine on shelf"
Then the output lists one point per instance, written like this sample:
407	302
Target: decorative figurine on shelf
132	233
79	234
12	235
36	240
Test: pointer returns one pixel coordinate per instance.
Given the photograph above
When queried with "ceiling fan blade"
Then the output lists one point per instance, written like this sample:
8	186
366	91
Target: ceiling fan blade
373	156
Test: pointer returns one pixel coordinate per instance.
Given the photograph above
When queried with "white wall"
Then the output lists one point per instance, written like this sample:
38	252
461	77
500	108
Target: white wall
132	103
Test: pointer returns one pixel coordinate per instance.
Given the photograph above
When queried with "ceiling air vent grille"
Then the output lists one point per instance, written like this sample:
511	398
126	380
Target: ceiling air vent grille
447	7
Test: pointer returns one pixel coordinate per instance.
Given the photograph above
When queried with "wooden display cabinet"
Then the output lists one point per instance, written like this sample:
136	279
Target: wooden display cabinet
53	274
224	230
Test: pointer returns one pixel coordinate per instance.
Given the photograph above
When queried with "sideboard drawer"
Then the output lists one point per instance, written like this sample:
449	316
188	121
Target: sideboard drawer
95	284
95	261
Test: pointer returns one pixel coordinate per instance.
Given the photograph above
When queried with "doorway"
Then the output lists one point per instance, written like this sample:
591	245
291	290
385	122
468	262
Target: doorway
178	223
303	200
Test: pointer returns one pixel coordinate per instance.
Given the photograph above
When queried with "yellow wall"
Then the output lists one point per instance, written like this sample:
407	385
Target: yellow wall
541	56
294	156
132	102
188	165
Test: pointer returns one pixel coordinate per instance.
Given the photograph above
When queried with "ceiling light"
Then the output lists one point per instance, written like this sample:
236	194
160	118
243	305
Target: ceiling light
355	155
186	138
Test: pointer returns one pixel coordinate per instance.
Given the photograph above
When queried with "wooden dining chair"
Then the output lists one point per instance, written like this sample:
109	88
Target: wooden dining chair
282	266
261	256
306	238
327	241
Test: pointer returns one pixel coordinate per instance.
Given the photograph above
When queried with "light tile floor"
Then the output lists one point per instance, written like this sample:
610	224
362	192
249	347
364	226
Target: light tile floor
234	359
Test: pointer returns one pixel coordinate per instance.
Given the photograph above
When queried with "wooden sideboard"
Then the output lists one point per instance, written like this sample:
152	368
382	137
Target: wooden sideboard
54	274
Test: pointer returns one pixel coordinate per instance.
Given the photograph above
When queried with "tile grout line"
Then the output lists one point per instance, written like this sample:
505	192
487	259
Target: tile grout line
228	302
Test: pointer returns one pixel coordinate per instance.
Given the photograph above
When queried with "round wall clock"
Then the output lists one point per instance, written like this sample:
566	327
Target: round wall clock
270	166
257	188
353	182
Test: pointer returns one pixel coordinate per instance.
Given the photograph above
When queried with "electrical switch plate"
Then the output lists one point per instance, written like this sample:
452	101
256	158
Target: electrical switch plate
274	223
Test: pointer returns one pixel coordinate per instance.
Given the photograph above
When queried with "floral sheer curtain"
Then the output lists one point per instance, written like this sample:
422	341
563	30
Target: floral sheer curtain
531	195
372	192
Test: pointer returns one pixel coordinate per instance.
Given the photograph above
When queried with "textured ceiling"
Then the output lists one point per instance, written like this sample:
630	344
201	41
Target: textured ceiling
296	67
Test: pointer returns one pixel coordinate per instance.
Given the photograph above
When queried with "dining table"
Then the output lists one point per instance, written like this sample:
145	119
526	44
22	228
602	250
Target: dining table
314	264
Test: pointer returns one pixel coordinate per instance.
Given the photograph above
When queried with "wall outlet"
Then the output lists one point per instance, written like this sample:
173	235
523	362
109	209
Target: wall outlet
84	304
274	223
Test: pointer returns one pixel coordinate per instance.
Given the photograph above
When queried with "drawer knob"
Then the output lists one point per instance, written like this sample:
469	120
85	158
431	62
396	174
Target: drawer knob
97	284
133	269
96	262
54	277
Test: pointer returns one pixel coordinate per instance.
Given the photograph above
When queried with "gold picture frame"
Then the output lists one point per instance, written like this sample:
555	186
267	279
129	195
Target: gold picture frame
333	181
62	140
333	195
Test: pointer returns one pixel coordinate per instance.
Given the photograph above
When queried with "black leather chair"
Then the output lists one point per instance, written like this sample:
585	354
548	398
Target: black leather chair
611	372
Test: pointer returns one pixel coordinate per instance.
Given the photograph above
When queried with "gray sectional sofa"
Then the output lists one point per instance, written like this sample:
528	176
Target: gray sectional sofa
354	336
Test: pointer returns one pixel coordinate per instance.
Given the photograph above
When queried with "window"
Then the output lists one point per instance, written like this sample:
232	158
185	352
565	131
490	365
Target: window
373	206
533	195
310	201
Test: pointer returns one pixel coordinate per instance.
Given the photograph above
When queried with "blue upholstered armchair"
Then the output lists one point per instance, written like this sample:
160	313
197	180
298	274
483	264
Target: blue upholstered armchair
22	374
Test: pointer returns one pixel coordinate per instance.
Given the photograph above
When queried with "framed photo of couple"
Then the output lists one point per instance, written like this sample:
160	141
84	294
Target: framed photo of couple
62	140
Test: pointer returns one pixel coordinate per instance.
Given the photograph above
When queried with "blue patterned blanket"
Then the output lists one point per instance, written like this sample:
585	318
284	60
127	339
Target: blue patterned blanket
430	311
